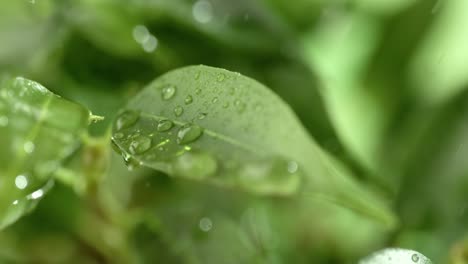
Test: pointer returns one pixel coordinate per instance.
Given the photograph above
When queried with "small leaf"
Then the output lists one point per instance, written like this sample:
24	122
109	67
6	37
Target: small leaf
39	130
248	138
396	256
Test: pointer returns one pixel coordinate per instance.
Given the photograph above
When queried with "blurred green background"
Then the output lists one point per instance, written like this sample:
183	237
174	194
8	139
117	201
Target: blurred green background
380	84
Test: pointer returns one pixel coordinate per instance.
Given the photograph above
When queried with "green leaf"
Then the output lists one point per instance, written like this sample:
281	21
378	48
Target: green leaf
39	130
394	256
217	126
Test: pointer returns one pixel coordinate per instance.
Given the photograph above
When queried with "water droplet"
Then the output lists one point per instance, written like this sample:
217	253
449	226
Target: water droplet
178	110
202	116
197	75
140	145
188	133
239	105
188	100
415	257
164	125
140	33
150	44
3	121
221	77
21	182
198	91
29	147
202	11
168	92
126	119
195	165
226	105
205	224
36	195
292	167
215	99
119	135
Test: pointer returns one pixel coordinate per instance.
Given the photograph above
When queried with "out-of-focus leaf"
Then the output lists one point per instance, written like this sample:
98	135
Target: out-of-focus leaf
437	70
39	130
396	256
192	123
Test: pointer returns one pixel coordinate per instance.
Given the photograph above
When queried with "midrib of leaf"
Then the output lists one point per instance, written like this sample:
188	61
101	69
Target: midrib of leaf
206	131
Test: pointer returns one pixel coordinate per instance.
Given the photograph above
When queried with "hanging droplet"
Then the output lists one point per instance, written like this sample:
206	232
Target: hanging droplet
189	133
168	92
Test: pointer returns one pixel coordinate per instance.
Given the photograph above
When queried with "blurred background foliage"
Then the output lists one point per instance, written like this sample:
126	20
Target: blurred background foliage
380	84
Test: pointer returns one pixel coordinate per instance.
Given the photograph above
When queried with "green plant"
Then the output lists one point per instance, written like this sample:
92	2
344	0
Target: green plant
347	136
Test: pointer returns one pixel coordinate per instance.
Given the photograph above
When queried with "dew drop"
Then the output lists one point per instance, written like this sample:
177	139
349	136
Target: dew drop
205	224
178	110
188	133
188	100
29	147
292	167
221	77
21	182
164	125
198	91
126	119
239	105
140	145
197	75
119	135
168	92
415	258
215	99
226	105
202	116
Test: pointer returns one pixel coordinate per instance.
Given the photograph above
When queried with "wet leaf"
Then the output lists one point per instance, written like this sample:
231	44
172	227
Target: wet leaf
248	139
39	130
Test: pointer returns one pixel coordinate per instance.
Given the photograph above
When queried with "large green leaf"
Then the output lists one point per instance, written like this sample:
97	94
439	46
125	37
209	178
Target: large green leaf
39	130
217	126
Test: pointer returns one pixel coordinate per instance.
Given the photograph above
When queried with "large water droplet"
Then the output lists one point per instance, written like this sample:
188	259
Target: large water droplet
126	119
164	125
188	100
140	145
188	133
178	110
195	165
415	257
168	92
